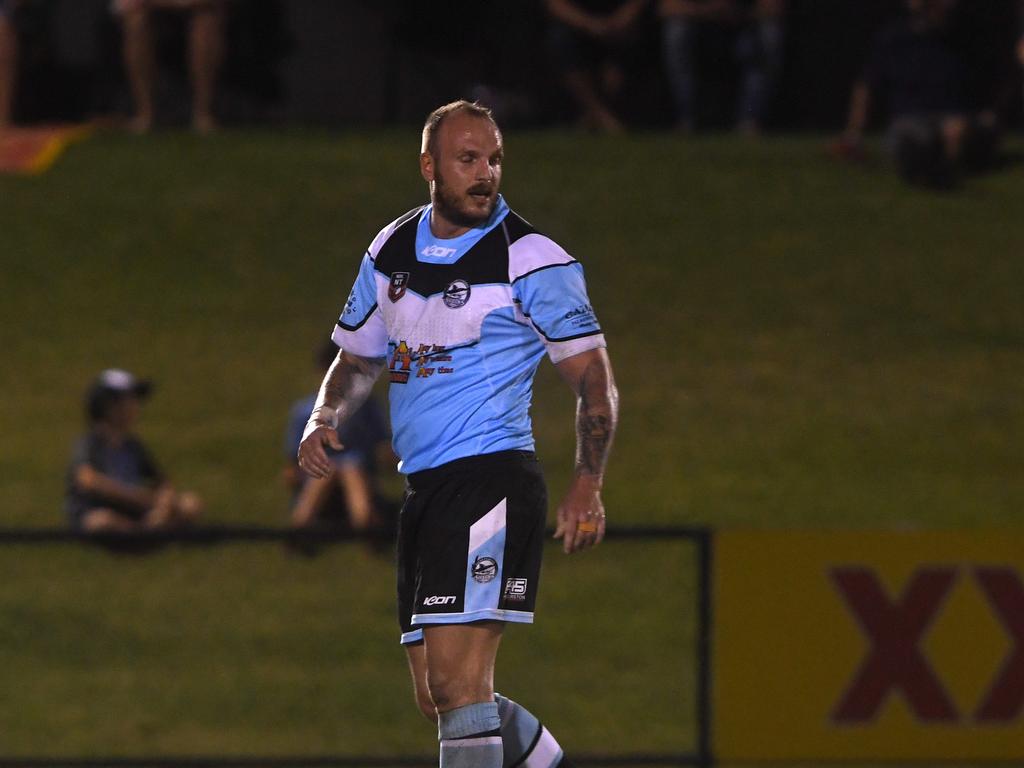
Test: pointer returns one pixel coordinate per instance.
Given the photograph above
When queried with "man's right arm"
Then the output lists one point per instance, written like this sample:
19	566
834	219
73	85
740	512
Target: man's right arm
346	386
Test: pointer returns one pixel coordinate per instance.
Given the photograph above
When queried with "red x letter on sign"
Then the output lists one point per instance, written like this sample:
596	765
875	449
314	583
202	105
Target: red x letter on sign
1005	699
894	661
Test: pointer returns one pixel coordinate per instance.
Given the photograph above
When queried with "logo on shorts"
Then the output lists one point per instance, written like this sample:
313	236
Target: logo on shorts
456	294
484	569
515	589
439	600
399	282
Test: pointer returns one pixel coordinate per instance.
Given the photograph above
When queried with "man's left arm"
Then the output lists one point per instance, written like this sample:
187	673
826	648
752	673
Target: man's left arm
581	517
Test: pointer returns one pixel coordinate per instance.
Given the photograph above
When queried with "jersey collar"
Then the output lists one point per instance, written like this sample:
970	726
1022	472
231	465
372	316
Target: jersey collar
436	250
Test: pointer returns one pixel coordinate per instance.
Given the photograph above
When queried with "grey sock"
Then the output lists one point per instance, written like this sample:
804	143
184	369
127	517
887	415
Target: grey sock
470	736
528	744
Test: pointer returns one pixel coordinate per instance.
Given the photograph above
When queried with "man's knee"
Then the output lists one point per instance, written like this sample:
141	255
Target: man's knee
451	690
426	705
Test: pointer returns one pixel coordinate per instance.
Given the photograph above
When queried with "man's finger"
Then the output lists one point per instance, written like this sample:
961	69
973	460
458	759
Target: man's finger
331	438
313	459
569	541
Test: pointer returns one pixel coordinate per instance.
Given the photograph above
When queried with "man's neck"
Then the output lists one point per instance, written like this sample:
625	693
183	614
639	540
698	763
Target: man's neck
443	229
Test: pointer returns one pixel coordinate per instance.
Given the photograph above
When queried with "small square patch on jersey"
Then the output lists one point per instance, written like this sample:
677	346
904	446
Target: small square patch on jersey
396	288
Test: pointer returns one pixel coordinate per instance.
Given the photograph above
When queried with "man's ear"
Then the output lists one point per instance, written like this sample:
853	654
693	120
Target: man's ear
427	167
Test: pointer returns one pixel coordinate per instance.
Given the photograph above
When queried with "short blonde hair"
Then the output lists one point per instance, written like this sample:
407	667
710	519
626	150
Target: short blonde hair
435	118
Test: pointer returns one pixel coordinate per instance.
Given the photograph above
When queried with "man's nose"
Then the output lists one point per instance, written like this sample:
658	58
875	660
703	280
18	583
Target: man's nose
484	170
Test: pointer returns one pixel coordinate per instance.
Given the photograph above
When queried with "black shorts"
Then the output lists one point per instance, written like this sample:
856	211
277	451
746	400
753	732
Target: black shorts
470	540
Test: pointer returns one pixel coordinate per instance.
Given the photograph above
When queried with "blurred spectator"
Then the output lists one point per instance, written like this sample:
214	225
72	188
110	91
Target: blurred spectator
8	60
1020	40
919	66
113	483
589	41
758	27
206	52
350	494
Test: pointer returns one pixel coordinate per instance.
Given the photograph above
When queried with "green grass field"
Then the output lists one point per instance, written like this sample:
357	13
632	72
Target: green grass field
797	343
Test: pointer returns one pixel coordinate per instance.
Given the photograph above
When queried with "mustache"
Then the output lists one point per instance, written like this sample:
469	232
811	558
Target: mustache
480	189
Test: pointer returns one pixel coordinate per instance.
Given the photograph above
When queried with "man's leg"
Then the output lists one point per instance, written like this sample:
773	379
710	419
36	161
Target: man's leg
678	35
206	50
103	520
311	500
525	741
460	677
8	69
355	484
139	60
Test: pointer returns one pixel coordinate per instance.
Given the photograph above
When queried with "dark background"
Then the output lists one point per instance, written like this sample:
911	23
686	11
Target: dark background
365	63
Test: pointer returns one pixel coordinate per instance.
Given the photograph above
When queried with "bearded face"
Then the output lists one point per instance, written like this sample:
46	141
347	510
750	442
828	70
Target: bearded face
464	207
464	170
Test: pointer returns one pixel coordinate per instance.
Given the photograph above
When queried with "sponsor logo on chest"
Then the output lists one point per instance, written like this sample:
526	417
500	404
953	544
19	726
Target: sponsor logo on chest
437	252
423	361
456	294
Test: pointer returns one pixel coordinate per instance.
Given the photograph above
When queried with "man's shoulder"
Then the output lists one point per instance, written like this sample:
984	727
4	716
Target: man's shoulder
530	250
516	227
409	218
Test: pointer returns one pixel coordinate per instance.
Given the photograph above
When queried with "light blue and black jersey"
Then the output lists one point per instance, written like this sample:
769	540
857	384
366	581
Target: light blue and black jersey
462	324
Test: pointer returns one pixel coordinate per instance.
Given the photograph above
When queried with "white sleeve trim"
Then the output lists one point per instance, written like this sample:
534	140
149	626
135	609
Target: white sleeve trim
356	343
561	350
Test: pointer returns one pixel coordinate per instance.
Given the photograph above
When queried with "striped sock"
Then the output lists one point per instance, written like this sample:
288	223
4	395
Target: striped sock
470	736
528	744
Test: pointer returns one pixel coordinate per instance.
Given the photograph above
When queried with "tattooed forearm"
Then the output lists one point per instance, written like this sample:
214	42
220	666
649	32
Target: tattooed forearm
597	413
346	386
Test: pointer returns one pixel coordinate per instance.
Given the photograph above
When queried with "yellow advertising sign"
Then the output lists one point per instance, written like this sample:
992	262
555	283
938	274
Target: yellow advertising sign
870	646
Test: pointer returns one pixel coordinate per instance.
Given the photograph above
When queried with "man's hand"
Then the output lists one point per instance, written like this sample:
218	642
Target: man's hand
581	515
313	449
581	518
346	386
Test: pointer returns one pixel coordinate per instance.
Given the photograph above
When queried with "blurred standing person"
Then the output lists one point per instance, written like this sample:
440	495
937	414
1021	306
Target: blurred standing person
589	40
8	60
351	488
757	47
205	55
759	51
920	68
1020	40
113	482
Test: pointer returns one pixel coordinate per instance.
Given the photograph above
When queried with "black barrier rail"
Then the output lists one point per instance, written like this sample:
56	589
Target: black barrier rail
224	534
323	761
216	534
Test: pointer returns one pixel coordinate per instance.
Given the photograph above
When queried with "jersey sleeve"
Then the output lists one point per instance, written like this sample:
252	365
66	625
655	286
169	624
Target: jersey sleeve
360	328
551	291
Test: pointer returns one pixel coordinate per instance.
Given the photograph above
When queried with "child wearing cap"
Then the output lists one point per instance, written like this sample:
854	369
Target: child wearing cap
113	482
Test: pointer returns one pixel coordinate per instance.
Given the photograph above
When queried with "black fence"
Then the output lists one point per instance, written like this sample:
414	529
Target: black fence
701	754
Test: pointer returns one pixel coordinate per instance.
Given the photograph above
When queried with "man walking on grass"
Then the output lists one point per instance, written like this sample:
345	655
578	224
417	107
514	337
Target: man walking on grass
459	300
